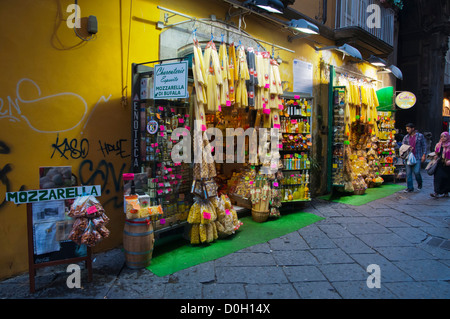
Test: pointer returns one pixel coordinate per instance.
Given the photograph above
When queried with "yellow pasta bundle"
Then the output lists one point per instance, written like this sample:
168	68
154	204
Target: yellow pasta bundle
209	233
224	64
232	70
364	95
199	75
266	70
194	216
259	63
214	76
244	75
202	232
195	234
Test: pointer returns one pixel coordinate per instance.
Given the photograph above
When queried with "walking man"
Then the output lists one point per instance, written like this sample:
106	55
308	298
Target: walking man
417	142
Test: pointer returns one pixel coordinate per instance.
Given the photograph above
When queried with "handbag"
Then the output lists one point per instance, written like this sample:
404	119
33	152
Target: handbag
432	165
411	159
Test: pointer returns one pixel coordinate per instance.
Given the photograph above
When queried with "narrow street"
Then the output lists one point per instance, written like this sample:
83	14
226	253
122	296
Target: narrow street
406	234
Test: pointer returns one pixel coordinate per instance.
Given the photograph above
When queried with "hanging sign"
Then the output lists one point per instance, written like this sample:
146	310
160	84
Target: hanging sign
405	100
170	80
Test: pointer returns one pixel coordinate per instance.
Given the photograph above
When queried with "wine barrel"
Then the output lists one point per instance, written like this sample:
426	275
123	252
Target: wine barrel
138	240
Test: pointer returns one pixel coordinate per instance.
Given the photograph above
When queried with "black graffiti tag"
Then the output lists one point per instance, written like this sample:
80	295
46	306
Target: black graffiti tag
115	149
74	148
104	172
4	149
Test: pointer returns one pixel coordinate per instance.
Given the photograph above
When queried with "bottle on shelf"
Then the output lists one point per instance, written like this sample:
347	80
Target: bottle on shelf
307	127
301	127
302	191
306	192
308	108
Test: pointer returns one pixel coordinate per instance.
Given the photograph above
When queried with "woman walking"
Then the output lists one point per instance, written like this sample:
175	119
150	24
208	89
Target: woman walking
442	174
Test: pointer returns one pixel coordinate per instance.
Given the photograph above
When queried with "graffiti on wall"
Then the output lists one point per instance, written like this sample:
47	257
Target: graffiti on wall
106	172
14	113
74	148
4	171
102	174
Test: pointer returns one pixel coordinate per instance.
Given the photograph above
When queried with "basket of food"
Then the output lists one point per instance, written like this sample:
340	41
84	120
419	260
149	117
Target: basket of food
260	216
359	191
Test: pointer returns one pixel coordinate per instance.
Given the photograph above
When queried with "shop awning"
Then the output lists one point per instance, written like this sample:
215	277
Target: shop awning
386	99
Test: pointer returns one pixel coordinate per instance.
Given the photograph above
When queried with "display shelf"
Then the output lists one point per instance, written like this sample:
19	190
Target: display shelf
161	181
338	136
296	200
296	128
386	143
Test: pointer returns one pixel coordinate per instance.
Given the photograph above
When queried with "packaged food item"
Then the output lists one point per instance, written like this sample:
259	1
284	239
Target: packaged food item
90	219
202	232
195	234
132	206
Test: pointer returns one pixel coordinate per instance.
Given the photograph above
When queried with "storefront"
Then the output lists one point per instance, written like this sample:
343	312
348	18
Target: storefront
236	142
362	152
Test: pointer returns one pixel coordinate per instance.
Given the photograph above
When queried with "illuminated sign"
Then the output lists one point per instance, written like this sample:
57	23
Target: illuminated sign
405	100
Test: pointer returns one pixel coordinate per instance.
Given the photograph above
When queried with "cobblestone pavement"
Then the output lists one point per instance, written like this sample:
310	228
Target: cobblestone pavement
406	235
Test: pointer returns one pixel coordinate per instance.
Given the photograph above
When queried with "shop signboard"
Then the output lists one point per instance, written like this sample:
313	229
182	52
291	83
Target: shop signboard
40	195
170	80
405	100
48	228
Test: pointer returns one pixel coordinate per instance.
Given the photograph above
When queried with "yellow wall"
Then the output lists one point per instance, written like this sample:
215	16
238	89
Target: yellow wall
55	88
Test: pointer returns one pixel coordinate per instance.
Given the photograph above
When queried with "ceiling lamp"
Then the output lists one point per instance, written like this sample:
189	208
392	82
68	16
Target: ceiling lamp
303	26
374	60
346	49
274	6
394	70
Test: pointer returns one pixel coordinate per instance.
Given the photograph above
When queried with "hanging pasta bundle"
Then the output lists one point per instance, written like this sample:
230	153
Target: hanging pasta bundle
251	84
266	79
275	88
232	73
214	76
259	66
199	75
244	75
364	104
224	68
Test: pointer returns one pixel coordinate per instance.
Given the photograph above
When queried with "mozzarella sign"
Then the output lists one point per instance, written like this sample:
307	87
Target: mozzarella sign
170	80
40	195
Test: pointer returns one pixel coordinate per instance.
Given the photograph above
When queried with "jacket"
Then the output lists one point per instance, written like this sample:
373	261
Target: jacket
420	148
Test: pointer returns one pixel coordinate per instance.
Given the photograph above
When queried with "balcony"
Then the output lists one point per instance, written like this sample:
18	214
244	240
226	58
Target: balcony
351	26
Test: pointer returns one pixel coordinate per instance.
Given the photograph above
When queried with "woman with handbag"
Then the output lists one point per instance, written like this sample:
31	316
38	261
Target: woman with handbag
442	173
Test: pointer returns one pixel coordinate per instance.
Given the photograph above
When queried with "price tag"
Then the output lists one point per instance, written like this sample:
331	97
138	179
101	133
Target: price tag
91	210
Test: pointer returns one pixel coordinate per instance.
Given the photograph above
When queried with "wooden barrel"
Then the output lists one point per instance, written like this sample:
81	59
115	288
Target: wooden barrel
138	240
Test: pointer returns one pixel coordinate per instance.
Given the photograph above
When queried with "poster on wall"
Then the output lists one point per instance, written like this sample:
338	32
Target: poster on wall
303	77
